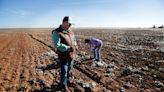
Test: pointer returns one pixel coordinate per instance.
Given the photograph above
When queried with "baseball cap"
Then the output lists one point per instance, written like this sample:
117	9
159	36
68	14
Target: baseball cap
67	19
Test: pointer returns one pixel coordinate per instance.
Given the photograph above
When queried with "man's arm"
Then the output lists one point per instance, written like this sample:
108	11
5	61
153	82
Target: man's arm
75	42
56	40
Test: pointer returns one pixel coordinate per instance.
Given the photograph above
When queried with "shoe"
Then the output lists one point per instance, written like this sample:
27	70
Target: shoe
96	60
71	83
99	63
66	89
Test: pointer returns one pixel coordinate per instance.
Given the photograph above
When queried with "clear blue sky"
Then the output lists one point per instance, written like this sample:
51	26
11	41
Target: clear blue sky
84	13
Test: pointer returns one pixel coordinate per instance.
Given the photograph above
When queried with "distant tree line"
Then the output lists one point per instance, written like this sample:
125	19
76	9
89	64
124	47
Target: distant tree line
158	26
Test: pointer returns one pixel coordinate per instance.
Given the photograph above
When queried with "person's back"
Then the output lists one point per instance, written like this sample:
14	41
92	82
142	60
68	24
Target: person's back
95	41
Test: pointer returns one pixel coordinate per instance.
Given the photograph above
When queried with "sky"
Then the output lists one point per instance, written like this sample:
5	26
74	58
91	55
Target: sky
84	13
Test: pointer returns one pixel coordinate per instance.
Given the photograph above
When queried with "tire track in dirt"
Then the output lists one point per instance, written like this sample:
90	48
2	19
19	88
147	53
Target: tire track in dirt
23	71
4	47
91	75
4	40
6	59
11	64
42	42
18	60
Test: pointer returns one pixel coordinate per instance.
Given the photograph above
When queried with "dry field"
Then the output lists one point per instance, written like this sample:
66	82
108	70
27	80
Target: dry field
133	61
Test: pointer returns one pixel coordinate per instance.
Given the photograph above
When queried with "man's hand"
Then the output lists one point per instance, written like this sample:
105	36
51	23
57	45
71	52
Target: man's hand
71	49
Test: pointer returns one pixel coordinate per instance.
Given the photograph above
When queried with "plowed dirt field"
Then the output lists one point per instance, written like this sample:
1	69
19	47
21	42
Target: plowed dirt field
132	61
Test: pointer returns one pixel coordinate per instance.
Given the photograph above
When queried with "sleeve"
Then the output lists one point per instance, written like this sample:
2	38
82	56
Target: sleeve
73	39
91	47
56	41
75	42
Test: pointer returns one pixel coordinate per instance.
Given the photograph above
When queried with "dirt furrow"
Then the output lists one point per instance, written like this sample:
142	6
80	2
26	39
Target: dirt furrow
11	64
6	59
134	62
4	40
91	75
6	48
19	63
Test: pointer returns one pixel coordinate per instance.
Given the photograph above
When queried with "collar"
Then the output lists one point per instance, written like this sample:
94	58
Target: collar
63	30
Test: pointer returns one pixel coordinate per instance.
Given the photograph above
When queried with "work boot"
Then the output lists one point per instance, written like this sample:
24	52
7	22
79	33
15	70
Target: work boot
71	83
66	89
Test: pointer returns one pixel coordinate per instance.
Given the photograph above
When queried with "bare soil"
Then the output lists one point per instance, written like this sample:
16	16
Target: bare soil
134	58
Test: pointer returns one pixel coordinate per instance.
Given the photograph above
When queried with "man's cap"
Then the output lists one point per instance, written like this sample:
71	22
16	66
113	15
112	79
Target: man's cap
67	19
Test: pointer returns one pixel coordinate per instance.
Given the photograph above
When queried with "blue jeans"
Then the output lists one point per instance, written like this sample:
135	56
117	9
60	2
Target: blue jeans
66	72
97	52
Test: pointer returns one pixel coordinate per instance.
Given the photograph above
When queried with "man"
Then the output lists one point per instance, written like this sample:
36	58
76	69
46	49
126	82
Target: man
65	43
